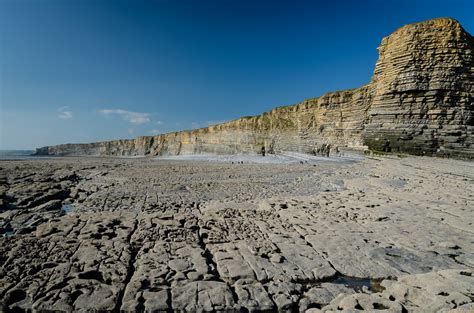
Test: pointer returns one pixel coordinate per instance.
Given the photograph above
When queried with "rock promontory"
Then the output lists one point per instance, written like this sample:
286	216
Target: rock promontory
420	100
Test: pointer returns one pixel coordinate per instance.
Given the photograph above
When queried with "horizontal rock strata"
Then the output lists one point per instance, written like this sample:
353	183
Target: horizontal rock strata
423	91
419	101
300	128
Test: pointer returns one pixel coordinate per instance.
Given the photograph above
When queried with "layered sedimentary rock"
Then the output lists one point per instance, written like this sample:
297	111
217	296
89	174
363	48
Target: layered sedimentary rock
420	101
423	90
335	117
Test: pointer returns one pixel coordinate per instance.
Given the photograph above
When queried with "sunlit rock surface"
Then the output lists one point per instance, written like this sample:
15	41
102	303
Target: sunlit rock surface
419	101
160	235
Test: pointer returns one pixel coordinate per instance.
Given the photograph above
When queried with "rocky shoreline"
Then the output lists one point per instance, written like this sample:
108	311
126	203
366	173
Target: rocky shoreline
382	233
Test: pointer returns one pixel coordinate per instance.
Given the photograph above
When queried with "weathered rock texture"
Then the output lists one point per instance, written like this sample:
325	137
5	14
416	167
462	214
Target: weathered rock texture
165	236
423	90
420	99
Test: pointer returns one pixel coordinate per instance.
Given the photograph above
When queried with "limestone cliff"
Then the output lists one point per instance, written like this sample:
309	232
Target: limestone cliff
423	90
335	117
420	100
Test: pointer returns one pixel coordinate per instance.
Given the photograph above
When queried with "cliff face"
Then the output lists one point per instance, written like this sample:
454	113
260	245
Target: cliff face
423	90
337	118
420	100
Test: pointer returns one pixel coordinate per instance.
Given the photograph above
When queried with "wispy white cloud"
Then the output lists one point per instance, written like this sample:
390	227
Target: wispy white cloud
209	123
130	131
64	113
129	116
155	131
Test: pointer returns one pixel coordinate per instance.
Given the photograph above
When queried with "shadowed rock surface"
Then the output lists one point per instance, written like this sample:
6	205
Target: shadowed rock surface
419	101
158	235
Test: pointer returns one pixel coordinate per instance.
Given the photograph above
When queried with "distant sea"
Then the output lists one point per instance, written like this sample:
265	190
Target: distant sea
17	155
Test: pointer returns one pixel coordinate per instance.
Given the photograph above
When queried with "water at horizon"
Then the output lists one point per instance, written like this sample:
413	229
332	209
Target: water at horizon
18	155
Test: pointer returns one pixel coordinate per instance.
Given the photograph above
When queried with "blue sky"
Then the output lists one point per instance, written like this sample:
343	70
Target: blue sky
91	70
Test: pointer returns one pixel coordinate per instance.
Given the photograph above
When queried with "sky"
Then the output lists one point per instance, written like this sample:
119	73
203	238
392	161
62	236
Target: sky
90	70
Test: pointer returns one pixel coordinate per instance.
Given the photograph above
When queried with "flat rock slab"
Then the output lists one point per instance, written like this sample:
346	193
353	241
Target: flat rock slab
440	291
162	235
